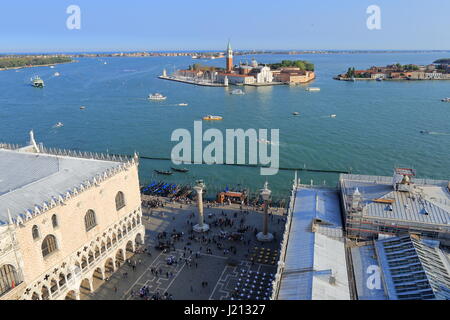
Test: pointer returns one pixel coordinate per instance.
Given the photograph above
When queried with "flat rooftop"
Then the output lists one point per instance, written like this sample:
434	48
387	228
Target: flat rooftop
30	179
428	202
315	263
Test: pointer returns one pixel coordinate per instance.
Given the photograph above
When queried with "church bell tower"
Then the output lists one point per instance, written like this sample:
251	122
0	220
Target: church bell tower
229	58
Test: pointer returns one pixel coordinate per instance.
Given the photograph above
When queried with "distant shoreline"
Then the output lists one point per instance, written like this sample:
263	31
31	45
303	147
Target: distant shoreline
35	66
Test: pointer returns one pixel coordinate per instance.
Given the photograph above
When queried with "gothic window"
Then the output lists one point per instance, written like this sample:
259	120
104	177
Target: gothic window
48	245
120	200
8	278
35	232
54	221
89	220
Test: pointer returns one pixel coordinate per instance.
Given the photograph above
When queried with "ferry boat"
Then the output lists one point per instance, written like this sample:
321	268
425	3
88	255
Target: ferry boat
37	82
446	100
210	117
312	89
156	96
237	91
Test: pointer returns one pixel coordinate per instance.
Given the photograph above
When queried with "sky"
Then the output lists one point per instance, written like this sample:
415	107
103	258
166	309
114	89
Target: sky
161	25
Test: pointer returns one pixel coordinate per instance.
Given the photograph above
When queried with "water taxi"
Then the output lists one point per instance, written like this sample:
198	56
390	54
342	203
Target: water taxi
446	100
210	117
156	96
237	91
312	89
37	82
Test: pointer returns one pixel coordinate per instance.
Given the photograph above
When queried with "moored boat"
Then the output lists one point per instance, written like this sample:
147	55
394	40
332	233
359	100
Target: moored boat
167	173
184	170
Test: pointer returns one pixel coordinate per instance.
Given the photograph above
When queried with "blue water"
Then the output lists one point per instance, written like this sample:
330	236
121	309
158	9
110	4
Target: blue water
376	128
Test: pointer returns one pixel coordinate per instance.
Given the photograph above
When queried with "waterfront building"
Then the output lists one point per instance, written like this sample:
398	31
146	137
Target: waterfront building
292	75
312	263
402	204
68	220
262	74
235	78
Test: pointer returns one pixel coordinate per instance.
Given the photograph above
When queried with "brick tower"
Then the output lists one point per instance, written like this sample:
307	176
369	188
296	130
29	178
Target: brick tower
229	58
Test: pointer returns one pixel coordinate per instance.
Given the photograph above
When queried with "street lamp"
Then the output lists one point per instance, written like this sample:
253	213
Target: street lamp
265	236
201	226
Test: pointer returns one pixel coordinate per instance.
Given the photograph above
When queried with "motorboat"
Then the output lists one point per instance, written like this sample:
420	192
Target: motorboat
167	173
312	89
156	96
183	104
332	116
446	100
237	92
82	107
295	113
212	118
56	74
379	79
58	125
184	170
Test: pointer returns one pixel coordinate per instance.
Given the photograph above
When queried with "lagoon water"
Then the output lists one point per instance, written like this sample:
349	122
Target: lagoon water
377	124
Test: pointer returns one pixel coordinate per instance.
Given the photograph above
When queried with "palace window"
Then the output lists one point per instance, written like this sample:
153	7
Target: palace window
49	245
8	278
89	220
120	200
54	221
35	232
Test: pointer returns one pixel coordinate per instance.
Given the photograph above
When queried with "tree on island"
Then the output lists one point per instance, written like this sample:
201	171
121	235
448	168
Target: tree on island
301	64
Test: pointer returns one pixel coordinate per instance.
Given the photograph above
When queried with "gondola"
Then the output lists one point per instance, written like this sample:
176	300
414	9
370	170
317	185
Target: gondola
167	173
184	170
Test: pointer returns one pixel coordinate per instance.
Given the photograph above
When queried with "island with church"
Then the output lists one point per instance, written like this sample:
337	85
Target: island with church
251	74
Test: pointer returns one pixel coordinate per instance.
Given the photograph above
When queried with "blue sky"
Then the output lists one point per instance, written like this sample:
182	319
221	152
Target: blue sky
40	26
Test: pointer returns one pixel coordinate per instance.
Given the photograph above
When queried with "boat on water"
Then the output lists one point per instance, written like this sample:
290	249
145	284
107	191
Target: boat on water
446	100
237	92
57	74
295	113
183	104
184	170
212	118
58	125
167	173
52	67
332	116
82	107
312	89
424	131
379	79
37	82
156	96
264	141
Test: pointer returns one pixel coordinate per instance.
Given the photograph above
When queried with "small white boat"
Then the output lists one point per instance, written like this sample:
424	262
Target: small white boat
82	107
105	62
56	74
332	116
312	89
296	113
52	67
183	104
58	125
237	91
156	96
446	100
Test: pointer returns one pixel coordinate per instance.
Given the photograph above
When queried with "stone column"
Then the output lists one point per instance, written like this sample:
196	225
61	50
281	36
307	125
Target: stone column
201	226
265	236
